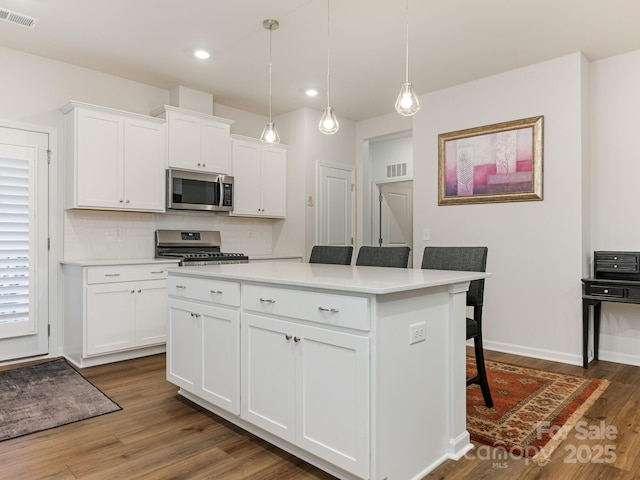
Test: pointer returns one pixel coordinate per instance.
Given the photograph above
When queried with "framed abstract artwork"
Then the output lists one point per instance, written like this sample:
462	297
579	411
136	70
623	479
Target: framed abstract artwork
494	163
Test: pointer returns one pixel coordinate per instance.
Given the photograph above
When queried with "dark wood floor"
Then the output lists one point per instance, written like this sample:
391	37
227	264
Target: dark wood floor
158	435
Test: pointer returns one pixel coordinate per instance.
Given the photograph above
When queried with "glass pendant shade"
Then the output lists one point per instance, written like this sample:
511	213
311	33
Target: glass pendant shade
270	134
407	103
328	122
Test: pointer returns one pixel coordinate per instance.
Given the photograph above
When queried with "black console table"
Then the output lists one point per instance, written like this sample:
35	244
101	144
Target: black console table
616	278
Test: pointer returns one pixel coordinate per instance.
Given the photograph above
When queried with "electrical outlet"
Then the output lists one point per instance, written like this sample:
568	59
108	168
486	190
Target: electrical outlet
417	333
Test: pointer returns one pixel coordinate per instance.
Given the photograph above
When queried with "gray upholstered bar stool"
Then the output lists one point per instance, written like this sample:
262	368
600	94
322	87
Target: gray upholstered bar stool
383	256
468	259
331	254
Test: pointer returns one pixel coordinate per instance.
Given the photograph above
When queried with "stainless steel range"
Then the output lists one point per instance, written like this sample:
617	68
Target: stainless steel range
194	247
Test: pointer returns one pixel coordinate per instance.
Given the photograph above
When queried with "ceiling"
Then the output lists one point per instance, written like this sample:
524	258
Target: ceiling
451	42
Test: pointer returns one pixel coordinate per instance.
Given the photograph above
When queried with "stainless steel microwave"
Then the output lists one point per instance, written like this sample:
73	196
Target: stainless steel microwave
207	192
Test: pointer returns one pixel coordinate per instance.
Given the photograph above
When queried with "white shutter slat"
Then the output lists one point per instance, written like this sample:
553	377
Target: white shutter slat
14	240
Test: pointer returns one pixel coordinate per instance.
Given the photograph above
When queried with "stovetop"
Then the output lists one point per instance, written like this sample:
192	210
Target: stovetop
200	247
202	255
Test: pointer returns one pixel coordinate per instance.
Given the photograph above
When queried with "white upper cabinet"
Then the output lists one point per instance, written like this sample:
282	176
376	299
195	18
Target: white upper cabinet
260	178
196	141
115	159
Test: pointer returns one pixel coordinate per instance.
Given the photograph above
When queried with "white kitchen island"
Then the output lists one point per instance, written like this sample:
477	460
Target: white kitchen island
357	370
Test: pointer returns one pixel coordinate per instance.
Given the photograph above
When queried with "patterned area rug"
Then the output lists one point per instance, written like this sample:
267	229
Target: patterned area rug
533	409
47	395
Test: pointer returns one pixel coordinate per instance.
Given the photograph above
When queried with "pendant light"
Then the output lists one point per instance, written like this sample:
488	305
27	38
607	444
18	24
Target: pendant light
407	103
270	134
328	122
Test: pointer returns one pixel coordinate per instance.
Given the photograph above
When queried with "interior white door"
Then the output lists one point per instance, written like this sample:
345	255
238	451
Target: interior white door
335	206
23	243
396	214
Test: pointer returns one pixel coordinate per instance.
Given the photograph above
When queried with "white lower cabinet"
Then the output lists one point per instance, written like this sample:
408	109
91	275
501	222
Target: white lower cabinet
114	312
310	387
290	365
203	352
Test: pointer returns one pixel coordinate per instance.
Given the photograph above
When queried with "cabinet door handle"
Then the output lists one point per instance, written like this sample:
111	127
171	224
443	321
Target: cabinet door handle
216	292
111	274
267	300
139	290
606	290
330	310
181	287
197	315
615	266
133	291
296	339
288	337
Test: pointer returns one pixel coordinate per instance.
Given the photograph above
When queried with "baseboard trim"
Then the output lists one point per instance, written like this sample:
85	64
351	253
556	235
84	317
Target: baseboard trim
562	357
618	357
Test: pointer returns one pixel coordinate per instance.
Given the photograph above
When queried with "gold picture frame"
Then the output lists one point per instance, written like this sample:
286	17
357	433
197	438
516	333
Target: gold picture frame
494	163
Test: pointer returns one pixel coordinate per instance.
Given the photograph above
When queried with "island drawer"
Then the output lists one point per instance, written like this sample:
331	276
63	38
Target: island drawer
125	273
205	290
329	309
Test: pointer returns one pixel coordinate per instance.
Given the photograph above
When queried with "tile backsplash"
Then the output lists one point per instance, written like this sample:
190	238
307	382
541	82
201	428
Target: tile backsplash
95	234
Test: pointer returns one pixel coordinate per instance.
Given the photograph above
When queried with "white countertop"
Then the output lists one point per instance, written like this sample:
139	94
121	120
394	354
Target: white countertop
376	280
128	261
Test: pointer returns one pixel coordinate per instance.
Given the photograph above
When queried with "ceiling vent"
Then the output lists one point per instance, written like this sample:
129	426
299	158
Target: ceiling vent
17	18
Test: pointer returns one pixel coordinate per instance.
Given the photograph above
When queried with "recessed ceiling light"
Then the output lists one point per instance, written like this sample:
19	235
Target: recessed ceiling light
201	54
311	92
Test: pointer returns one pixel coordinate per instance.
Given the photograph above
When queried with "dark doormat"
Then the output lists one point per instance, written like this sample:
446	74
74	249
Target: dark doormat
47	395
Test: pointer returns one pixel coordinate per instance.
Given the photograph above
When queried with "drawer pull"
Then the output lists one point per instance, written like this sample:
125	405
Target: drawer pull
606	290
267	300
216	292
181	287
615	266
111	274
133	291
330	310
296	339
288	337
157	273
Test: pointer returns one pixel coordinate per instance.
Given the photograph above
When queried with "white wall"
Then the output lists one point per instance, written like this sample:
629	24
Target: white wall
532	301
615	194
307	148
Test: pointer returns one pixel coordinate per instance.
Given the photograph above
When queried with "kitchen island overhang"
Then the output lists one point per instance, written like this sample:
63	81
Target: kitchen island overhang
324	360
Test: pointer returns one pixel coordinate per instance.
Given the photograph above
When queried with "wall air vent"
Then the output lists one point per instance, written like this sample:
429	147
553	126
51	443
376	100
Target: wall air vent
397	170
17	18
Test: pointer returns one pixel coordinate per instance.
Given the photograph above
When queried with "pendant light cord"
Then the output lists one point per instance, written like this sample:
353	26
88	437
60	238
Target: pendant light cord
407	42
270	33
328	54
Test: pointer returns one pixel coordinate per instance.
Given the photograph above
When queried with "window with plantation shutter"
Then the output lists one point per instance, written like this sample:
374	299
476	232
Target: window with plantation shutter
24	234
14	240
